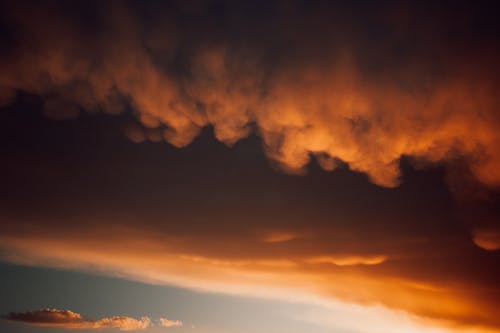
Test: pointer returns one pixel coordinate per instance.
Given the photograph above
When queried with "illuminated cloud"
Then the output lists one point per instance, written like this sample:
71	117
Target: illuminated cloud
347	260
164	322
72	320
352	280
309	105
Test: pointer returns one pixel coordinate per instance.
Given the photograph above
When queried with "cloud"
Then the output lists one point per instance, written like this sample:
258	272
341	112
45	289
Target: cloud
488	239
347	260
164	322
370	93
72	320
329	97
330	280
278	237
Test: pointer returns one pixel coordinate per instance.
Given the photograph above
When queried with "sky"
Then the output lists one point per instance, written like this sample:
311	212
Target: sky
250	166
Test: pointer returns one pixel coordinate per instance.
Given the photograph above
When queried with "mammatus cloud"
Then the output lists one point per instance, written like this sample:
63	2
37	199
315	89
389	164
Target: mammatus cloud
72	320
330	100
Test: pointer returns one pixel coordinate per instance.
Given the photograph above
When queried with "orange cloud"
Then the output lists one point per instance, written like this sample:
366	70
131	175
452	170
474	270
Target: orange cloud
72	320
347	260
278	237
349	279
164	322
311	107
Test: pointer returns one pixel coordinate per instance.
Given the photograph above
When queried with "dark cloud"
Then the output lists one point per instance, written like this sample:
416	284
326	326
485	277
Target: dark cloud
361	83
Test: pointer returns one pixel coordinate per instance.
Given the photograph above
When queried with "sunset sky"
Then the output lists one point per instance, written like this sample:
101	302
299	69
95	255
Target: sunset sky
214	166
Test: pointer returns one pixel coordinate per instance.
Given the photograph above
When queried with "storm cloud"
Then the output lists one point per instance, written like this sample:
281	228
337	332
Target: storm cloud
381	119
311	83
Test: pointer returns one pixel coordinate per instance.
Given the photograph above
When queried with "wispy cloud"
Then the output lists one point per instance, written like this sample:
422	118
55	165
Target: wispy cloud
347	260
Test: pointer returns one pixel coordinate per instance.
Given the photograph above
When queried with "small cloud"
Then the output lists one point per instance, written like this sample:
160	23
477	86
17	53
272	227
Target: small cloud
72	320
487	239
347	260
164	322
278	237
